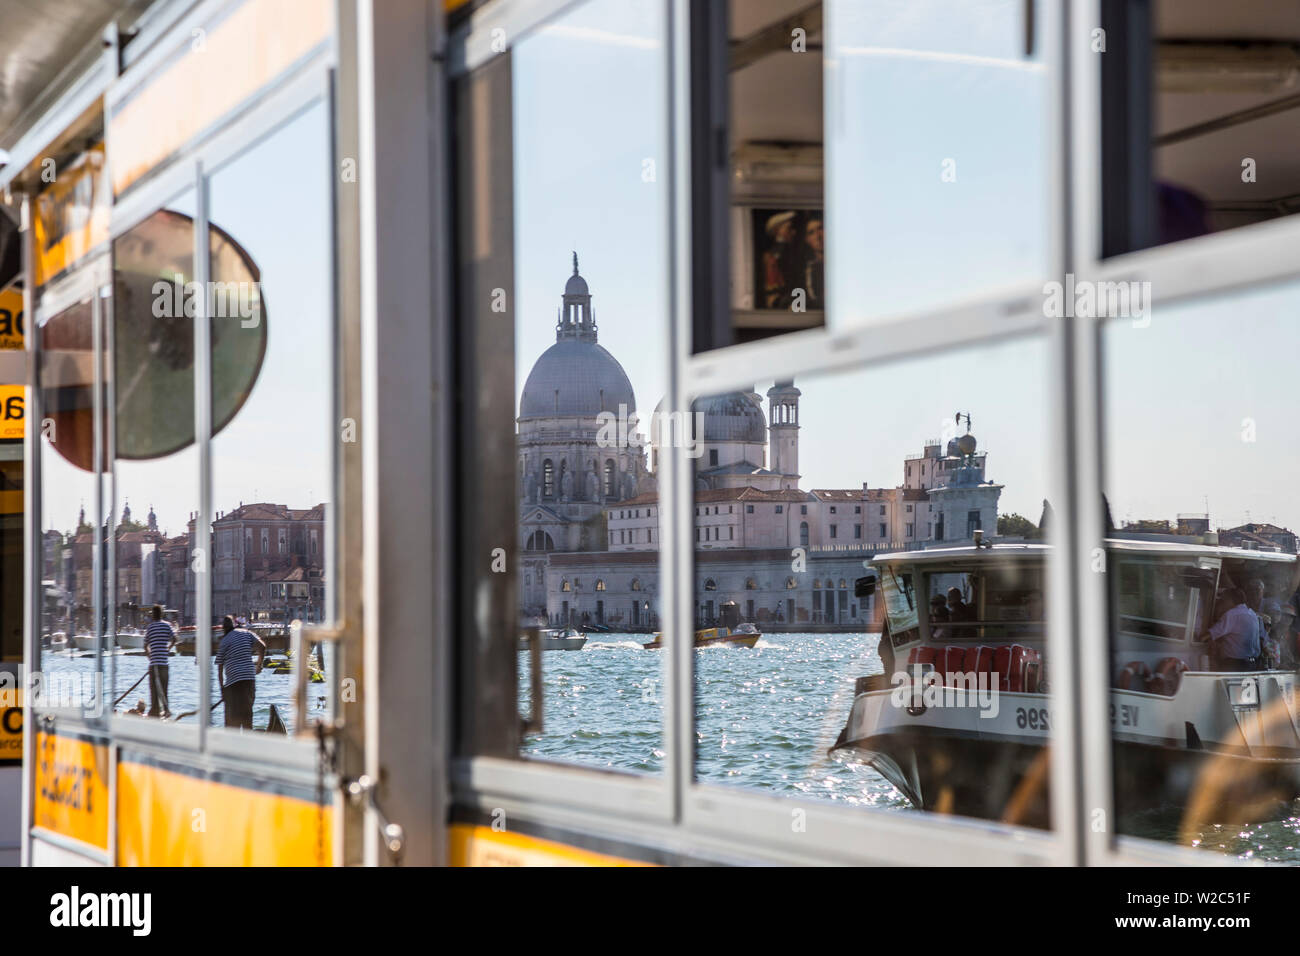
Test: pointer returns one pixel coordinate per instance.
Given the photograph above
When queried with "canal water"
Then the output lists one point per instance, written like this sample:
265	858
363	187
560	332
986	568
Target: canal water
765	719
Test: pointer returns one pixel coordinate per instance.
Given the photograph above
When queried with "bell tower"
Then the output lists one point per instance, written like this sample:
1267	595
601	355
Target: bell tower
783	429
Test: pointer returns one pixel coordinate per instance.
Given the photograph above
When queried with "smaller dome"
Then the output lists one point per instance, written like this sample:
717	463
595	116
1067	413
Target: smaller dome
736	416
966	444
576	285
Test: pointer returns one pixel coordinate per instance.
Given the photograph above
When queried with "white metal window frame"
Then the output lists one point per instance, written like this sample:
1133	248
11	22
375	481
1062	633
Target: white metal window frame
1182	272
306	85
700	816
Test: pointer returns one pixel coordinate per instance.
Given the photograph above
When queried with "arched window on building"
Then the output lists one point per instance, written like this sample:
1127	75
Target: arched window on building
539	541
548	478
843	584
564	585
710	585
803	533
790	584
636	584
817	583
600	584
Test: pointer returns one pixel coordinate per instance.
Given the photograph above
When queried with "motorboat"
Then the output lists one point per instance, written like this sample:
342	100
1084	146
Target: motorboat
557	639
731	633
131	640
961	716
84	642
58	641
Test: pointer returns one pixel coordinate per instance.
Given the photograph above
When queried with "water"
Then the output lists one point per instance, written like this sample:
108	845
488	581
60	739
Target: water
65	669
766	716
765	719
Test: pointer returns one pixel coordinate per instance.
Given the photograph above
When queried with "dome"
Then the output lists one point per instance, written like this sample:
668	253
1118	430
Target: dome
576	285
588	379
736	416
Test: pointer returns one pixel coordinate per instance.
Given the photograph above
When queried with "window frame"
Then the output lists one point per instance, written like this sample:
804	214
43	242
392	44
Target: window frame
674	808
307	85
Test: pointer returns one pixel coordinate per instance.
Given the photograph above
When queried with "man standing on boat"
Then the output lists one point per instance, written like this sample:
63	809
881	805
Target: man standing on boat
159	639
1236	636
236	672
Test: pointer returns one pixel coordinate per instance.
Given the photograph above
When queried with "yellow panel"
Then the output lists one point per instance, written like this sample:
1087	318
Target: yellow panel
70	790
472	845
13	407
165	818
11	318
222	67
71	214
11	719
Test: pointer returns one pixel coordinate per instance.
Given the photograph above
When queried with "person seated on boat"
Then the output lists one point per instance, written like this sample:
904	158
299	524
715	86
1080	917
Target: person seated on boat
938	609
958	610
1235	642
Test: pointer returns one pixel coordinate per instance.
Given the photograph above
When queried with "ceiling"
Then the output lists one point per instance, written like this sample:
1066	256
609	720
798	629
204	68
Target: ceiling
40	38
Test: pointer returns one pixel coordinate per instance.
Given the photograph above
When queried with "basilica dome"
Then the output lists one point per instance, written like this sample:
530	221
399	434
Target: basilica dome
576	377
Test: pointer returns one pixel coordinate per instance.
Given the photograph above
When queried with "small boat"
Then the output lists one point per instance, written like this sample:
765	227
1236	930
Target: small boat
731	634
131	640
84	642
58	641
558	639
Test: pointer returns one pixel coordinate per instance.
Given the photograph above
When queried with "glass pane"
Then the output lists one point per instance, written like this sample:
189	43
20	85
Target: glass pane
1198	121
775	174
936	153
156	464
65	381
1202	574
272	418
870	588
563	290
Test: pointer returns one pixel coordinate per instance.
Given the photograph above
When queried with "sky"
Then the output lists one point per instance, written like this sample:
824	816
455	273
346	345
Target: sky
271	198
589	107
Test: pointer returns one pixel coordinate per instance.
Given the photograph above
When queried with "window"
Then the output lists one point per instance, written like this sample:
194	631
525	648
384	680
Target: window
882	511
909	509
834	531
749	509
832	509
780	509
750	584
803	509
1173	113
884	533
713	457
803	534
539	376
857	531
857	509
972	523
710	585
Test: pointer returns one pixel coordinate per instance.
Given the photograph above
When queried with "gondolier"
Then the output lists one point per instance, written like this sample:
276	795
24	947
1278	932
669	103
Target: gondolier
236	671
159	639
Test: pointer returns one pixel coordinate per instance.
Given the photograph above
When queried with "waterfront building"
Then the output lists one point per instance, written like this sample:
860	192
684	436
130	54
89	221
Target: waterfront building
589	513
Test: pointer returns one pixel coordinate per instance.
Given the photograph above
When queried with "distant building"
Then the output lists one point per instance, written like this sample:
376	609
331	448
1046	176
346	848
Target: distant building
589	521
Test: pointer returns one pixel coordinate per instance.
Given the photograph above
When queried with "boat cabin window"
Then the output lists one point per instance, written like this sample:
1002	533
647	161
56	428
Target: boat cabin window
1000	602
1162	601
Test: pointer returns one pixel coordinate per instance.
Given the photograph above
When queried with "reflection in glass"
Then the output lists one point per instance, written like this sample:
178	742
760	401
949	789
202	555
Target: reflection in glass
936	154
1202	575
156	465
869	599
586	374
65	381
272	336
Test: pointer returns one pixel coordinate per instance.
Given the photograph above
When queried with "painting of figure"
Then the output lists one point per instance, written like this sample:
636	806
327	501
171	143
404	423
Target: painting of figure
789	259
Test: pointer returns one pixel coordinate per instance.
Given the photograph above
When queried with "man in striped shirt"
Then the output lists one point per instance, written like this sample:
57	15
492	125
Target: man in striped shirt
236	673
159	639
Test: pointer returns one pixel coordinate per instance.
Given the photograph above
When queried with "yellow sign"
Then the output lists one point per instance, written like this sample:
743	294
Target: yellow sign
11	719
71	214
70	791
482	846
13	403
11	319
166	818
